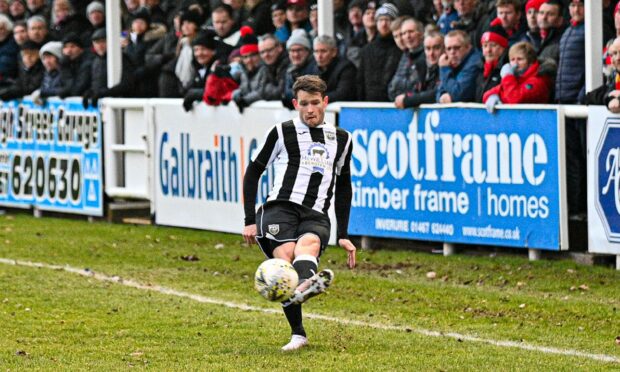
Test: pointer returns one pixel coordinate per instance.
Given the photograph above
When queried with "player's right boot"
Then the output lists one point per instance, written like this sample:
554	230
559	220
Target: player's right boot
311	287
297	342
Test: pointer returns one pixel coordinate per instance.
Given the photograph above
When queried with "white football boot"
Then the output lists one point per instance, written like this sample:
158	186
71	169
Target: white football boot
311	287
297	342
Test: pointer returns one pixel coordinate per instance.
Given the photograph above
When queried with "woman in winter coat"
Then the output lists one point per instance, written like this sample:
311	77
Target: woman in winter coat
522	81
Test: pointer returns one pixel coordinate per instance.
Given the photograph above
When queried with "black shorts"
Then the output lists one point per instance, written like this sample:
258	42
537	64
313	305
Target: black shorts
279	222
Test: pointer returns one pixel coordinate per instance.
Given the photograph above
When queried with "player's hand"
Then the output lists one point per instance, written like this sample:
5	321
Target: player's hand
249	234
614	105
614	93
350	248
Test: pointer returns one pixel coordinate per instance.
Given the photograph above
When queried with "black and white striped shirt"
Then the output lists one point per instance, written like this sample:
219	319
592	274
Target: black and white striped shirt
306	163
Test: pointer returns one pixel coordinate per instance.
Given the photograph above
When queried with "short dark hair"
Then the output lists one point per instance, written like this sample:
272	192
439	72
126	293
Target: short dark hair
310	84
516	4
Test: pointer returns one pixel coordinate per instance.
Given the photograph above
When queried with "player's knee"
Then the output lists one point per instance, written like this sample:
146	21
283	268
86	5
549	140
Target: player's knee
308	244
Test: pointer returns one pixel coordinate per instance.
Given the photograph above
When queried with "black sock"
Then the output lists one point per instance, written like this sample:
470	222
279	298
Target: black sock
306	266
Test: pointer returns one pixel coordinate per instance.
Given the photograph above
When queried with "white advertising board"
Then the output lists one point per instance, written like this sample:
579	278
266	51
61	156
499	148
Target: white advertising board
603	181
200	159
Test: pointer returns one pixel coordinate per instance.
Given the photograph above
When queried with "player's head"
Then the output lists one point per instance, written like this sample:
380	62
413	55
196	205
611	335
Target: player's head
310	99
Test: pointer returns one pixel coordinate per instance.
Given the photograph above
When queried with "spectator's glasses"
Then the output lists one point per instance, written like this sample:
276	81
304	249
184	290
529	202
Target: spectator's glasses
267	51
296	50
456	48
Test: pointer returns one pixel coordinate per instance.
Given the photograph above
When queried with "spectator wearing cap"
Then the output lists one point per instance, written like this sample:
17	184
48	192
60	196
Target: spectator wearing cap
65	20
29	76
38	8
259	16
98	87
301	63
74	66
273	69
366	35
570	89
190	25
448	17
278	19
354	16
338	72
8	51
51	55
141	38
224	25
424	79
37	30
17	10
20	32
204	49
249	88
495	54
551	24
95	12
379	59
411	31
532	35
459	67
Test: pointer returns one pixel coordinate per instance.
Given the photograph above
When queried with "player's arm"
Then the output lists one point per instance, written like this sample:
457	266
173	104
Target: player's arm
342	204
251	177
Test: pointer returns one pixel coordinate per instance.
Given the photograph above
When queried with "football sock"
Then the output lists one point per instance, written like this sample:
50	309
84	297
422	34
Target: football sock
306	266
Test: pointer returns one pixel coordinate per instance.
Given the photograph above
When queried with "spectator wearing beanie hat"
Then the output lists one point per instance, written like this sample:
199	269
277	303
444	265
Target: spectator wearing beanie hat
249	87
29	75
301	63
74	67
204	51
379	59
50	54
495	54
95	13
190	25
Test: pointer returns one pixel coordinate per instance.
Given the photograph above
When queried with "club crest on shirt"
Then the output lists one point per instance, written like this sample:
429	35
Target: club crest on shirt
317	158
274	229
330	136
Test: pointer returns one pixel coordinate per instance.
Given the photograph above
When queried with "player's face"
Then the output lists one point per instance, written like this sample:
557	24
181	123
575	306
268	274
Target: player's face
311	107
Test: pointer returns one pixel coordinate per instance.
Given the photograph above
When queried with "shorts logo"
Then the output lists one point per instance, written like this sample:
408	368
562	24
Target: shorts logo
273	229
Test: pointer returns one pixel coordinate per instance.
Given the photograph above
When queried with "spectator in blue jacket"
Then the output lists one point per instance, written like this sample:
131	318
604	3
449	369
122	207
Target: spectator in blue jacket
458	69
8	51
570	89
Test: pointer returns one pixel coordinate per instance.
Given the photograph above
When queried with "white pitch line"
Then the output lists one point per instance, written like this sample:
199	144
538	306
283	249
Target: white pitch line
214	301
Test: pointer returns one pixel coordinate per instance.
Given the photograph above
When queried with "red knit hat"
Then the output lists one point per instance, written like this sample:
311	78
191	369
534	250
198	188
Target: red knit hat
496	34
249	42
536	4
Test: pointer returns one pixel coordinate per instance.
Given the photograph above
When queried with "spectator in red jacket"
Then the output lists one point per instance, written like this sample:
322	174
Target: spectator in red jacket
521	81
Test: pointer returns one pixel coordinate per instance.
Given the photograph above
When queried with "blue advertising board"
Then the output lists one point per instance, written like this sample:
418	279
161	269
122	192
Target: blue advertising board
50	156
456	175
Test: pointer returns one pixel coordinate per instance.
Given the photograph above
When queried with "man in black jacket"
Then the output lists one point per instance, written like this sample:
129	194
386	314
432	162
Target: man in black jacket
551	23
379	59
339	73
99	73
29	75
74	67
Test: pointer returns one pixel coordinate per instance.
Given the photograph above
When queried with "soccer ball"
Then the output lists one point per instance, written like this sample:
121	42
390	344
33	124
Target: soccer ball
276	280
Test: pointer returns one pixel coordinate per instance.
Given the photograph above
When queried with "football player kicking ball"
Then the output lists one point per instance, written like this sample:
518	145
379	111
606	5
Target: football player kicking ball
310	158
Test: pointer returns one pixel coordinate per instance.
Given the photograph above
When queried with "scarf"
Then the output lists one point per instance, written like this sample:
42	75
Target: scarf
184	69
489	67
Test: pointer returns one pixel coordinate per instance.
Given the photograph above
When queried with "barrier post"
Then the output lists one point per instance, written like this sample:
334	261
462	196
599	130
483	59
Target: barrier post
448	249
533	254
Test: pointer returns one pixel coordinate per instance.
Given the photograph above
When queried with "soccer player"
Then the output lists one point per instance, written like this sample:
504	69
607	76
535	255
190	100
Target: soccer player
310	158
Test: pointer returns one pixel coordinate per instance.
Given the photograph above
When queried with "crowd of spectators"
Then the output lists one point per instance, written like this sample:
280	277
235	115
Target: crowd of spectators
407	52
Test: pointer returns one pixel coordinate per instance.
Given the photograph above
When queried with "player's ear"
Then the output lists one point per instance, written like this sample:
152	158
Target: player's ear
295	103
325	100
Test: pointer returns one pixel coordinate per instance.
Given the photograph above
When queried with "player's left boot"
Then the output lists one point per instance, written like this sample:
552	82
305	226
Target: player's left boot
297	342
313	286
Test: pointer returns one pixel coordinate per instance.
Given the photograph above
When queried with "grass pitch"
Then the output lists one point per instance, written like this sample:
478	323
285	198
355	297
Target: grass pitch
55	320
